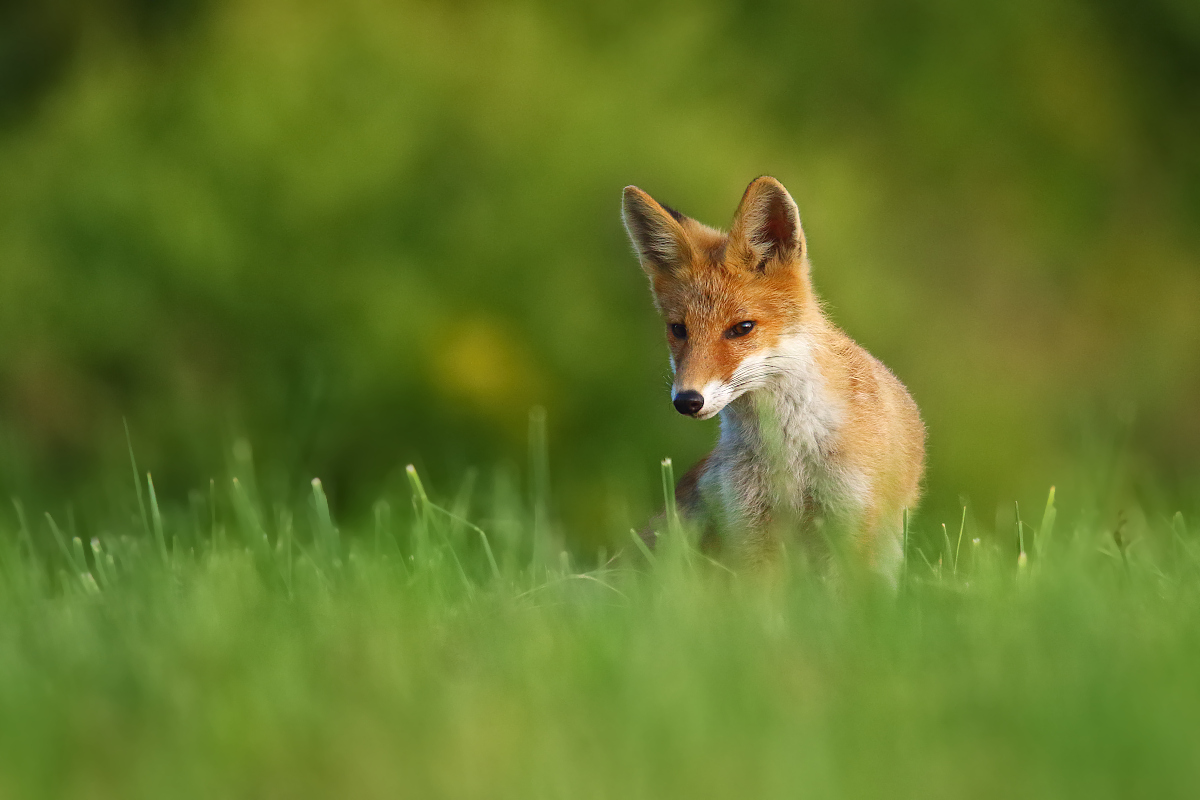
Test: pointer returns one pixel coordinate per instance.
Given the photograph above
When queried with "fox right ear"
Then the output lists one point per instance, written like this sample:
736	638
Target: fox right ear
766	226
655	231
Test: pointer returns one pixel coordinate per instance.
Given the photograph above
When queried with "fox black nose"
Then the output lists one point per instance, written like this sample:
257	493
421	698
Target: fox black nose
689	402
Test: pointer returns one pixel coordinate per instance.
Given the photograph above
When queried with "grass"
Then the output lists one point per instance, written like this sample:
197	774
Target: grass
233	648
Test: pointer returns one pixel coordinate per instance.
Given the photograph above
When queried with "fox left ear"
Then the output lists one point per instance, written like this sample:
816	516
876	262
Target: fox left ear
766	226
655	230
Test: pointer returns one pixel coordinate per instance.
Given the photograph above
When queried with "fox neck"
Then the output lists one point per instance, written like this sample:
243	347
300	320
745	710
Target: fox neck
783	433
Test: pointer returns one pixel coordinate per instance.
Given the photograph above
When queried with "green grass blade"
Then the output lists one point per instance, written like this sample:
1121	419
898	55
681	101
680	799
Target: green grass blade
1022	558
962	526
495	568
68	554
949	548
1046	529
137	481
641	546
426	506
328	538
668	487
98	557
156	516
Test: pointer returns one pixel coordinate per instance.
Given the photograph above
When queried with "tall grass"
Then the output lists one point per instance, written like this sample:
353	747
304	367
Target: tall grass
232	647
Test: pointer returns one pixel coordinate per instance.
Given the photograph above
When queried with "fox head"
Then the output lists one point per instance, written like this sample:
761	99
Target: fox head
730	301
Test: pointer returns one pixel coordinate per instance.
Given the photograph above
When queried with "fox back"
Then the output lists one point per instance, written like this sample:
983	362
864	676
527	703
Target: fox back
819	441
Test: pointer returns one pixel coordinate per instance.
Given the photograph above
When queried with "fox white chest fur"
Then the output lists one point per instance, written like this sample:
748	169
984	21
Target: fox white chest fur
775	445
818	439
777	458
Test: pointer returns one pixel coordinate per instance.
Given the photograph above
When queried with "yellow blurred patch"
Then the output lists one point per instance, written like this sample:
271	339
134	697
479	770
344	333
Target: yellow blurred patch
489	368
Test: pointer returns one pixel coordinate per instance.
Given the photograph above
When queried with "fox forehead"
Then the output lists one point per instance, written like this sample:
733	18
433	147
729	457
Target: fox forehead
717	295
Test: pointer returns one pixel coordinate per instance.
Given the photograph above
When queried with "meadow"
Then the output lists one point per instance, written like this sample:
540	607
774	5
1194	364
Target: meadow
249	243
224	645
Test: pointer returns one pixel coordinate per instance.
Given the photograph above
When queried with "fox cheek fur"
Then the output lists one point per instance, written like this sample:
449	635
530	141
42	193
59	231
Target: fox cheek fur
813	429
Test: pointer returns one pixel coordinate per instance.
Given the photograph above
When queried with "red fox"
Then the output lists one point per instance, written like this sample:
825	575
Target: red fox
819	440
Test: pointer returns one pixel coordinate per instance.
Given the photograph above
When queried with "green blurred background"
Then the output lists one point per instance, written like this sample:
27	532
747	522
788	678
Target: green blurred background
361	233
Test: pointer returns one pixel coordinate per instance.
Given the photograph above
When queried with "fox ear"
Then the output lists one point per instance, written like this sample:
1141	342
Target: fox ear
655	230
767	225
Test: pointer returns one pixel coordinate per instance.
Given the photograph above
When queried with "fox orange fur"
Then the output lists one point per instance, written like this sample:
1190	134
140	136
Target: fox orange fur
819	441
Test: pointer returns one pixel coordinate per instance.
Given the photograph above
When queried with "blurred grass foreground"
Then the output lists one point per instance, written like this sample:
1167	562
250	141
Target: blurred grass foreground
249	651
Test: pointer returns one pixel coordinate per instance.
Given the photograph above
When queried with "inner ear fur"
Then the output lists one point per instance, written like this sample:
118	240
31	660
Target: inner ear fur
655	230
766	226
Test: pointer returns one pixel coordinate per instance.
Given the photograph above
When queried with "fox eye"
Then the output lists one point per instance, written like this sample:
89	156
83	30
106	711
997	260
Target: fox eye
679	330
741	329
